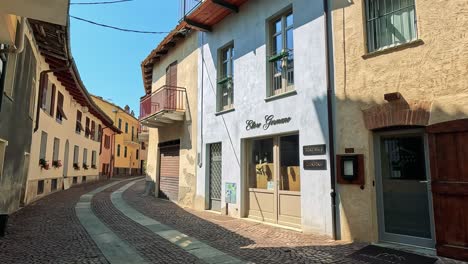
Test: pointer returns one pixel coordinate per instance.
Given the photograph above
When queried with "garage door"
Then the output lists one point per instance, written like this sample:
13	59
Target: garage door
169	172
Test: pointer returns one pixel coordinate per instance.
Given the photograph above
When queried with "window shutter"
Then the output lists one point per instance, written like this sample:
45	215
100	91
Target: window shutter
52	100
43	91
171	74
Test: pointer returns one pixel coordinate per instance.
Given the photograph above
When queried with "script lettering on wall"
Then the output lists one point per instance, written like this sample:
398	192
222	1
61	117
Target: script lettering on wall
269	121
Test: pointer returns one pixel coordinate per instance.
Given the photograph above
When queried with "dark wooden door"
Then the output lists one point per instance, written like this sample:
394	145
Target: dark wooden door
448	148
169	172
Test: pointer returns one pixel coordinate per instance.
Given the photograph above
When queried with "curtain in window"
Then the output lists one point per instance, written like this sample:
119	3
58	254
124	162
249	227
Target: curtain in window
390	23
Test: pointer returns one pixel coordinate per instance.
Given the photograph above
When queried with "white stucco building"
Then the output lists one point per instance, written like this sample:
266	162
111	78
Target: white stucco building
262	99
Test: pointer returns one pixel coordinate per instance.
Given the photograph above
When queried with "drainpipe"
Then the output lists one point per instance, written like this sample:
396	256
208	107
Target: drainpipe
200	155
19	42
330	100
41	80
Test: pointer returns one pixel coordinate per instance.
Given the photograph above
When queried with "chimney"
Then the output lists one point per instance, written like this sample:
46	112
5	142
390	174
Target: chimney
127	109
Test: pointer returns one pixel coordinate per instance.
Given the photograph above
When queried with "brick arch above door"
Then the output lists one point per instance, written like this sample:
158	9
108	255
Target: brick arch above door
398	113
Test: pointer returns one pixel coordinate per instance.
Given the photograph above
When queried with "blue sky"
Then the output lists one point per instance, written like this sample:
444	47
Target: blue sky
109	60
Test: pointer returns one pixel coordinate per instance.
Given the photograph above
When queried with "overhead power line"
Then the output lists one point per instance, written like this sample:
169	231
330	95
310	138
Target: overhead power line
118	28
101	3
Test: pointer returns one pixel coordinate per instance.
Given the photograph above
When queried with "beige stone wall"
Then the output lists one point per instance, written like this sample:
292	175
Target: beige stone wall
433	69
186	55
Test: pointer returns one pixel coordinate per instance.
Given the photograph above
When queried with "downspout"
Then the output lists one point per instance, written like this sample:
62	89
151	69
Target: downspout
200	155
41	80
19	42
330	100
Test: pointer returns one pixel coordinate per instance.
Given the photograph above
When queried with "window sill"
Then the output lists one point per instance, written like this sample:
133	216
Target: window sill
403	46
279	96
225	111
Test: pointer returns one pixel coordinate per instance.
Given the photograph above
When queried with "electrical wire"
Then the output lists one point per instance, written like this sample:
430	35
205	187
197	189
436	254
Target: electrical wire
101	3
120	29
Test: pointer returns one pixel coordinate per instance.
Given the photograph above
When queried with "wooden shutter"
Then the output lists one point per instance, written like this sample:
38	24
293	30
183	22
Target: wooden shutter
52	100
171	74
43	91
448	150
169	172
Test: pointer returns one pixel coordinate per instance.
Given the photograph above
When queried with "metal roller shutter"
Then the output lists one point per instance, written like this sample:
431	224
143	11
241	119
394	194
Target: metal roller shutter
169	172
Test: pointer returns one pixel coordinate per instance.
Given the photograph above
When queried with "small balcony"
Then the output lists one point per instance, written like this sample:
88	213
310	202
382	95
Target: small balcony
131	139
163	107
143	133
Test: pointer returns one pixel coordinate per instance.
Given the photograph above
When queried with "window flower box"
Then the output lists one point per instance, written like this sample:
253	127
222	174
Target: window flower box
93	166
85	166
76	166
44	164
57	164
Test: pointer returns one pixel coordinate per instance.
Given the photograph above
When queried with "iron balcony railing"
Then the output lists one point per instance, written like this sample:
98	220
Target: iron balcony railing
166	98
187	6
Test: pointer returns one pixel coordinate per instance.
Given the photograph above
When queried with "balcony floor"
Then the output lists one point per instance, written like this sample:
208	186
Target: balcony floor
163	118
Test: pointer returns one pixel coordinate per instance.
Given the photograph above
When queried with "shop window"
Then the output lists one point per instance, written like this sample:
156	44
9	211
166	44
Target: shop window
53	184
125	152
3	145
43	148
261	169
281	50
79	126
389	23
40	187
118	150
55	155
225	92
290	178
60	113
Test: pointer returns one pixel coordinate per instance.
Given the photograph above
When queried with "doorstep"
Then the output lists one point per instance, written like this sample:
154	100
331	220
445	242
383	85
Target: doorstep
408	248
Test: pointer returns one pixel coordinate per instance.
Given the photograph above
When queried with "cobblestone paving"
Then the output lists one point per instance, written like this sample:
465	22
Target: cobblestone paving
151	247
249	241
48	231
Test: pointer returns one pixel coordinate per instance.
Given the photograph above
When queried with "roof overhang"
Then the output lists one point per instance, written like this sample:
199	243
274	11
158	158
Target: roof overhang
202	18
53	43
52	11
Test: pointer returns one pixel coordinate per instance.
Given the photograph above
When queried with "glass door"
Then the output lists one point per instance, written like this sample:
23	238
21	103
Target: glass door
403	189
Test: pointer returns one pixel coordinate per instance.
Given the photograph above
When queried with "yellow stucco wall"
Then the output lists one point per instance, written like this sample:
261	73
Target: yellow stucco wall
65	132
435	71
8	25
124	139
186	54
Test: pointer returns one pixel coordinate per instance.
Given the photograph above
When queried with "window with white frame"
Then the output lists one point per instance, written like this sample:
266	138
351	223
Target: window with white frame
281	57
390	23
226	78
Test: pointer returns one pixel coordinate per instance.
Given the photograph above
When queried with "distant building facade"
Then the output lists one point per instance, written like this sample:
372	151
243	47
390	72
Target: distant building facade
126	148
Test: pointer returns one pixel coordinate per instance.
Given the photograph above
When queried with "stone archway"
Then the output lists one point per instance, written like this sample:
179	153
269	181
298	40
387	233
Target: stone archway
400	112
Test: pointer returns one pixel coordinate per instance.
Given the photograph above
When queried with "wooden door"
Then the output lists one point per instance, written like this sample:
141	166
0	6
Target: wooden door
448	148
169	172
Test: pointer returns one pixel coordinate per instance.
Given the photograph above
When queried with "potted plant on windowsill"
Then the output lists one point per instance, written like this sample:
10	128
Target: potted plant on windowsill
76	166
93	166
57	164
44	164
85	166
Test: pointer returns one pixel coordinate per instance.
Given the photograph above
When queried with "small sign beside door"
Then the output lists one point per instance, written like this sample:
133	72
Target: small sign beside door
231	190
314	150
320	164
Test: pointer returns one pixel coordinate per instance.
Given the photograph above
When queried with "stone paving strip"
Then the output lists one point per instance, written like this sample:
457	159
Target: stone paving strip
193	246
114	249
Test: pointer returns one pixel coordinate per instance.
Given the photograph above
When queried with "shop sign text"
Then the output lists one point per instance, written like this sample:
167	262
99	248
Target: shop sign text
269	121
310	150
320	164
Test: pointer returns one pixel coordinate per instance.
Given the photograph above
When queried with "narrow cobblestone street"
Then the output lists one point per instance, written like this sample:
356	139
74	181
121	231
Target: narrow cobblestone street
49	231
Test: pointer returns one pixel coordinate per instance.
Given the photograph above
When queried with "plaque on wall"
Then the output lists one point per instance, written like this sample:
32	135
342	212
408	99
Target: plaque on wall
320	164
314	150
